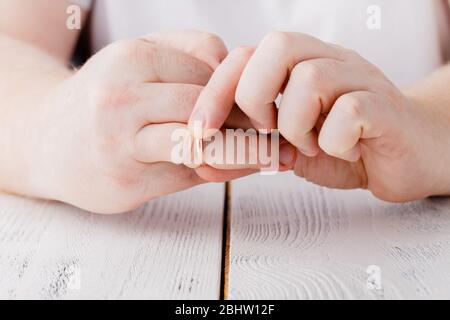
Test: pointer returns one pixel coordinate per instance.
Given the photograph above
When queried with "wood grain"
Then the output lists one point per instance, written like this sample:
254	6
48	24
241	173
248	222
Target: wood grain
170	248
292	240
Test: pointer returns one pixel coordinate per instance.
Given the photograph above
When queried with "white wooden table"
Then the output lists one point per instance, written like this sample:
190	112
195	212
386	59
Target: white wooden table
274	238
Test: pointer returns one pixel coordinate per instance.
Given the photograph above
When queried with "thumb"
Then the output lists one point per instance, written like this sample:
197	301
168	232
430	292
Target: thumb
204	46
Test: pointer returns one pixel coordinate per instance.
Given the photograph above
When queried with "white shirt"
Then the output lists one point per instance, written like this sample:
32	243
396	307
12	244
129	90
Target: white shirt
411	43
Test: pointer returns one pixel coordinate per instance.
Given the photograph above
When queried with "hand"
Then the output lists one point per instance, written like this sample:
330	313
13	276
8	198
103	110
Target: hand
353	128
103	140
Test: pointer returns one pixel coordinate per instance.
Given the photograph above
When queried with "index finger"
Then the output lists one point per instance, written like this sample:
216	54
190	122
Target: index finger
206	47
268	70
217	98
173	57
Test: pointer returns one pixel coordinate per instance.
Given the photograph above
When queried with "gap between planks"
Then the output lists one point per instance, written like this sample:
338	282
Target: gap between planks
225	270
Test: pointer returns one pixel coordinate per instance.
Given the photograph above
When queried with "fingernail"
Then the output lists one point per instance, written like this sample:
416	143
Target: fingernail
287	154
197	124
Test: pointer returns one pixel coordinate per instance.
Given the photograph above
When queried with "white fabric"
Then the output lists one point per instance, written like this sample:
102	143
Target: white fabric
84	4
409	45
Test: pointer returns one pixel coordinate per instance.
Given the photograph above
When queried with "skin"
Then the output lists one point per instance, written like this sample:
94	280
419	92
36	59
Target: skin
351	126
98	138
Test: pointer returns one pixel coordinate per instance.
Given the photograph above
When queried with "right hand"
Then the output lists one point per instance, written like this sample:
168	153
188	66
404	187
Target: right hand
103	142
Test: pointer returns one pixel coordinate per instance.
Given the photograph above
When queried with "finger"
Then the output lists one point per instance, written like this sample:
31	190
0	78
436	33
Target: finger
233	151
173	102
312	89
174	178
141	60
267	71
204	46
354	117
237	119
330	172
160	143
211	174
165	102
239	149
218	97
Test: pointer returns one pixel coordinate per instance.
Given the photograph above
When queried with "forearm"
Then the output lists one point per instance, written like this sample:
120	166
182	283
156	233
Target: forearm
27	75
432	99
434	91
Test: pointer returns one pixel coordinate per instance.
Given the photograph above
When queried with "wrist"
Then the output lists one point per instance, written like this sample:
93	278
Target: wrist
28	166
436	140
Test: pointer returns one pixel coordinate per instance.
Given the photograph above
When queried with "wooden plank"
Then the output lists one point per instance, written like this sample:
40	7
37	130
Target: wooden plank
292	240
170	248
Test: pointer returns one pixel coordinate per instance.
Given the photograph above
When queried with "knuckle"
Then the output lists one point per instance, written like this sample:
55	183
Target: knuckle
373	71
350	53
278	39
309	72
243	51
392	93
118	49
350	105
207	38
188	96
131	51
245	100
108	96
209	44
289	133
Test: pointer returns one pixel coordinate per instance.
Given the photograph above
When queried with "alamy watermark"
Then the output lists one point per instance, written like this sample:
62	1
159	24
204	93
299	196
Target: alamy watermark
73	21
374	278
374	17
229	147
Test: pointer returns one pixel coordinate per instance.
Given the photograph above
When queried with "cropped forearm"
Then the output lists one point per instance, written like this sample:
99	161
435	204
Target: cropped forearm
434	91
431	97
27	75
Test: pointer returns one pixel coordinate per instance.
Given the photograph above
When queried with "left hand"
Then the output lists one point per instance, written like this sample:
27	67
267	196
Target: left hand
353	128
